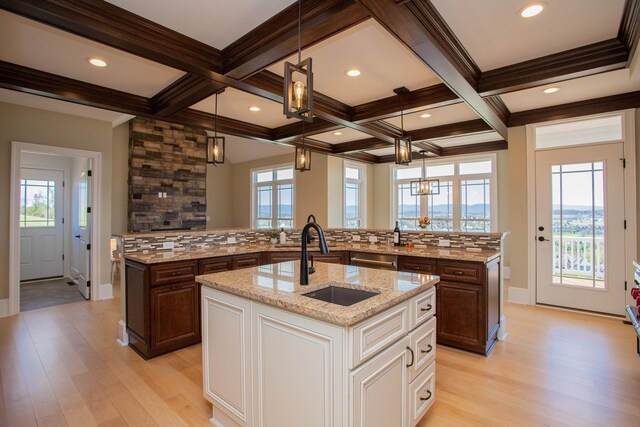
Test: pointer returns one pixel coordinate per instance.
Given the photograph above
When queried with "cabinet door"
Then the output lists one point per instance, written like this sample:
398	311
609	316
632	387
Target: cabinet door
379	389
226	353
175	314
298	370
460	312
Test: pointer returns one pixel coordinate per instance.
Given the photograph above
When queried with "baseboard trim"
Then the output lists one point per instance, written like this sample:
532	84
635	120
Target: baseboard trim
106	291
519	295
4	307
123	334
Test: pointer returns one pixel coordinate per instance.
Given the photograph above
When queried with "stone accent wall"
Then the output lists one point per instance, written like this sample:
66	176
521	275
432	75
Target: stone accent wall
166	158
204	239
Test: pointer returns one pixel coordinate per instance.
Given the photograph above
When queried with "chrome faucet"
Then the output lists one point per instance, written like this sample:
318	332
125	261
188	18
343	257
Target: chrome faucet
304	261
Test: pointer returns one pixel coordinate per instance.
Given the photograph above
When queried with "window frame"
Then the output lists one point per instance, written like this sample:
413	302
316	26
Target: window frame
273	184
456	180
362	193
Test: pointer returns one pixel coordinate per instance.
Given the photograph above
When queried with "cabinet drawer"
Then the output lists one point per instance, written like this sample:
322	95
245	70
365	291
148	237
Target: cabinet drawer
331	257
214	265
421	307
373	335
423	344
417	265
277	257
461	272
174	272
245	261
422	394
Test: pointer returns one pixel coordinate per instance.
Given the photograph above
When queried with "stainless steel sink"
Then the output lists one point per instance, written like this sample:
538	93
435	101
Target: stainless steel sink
340	296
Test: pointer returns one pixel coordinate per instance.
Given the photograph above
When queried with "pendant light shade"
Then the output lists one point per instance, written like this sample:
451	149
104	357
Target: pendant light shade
215	143
424	186
402	143
298	83
303	159
215	150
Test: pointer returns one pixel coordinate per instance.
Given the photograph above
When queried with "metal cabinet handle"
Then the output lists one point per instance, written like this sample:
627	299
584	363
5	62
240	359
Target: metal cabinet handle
428	397
428	350
459	273
412	357
429	307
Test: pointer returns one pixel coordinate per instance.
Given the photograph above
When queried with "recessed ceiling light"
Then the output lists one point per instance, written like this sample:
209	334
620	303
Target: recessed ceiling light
551	90
354	72
97	62
337	133
531	10
254	109
425	115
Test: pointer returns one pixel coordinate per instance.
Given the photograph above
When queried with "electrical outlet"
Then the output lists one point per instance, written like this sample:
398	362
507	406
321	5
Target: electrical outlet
164	195
444	242
168	245
355	237
373	239
208	218
160	195
231	240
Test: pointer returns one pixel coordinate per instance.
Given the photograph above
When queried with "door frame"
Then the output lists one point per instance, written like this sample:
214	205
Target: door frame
629	152
17	148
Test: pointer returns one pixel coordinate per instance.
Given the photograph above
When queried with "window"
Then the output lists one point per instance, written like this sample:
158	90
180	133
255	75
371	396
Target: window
37	203
466	201
354	195
273	197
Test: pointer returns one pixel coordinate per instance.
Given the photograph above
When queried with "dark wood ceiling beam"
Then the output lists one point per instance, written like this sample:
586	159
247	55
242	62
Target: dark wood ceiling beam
583	61
105	23
35	82
419	26
461	149
361	157
429	97
277	38
360	145
499	107
293	131
183	93
629	31
577	109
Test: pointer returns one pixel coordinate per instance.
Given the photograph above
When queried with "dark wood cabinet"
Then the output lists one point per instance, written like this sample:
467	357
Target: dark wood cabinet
467	301
215	265
337	257
246	261
162	306
276	257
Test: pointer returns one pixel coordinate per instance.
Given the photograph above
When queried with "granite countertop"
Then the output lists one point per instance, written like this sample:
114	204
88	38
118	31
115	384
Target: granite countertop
278	285
156	257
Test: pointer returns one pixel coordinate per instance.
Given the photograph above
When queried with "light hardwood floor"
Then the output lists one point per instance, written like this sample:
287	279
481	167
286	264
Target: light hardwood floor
61	366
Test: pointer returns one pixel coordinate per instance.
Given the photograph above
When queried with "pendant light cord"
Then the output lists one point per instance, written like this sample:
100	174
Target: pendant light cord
215	119
299	31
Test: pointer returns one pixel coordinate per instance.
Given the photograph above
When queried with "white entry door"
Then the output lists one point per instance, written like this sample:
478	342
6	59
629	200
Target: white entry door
41	224
580	228
84	233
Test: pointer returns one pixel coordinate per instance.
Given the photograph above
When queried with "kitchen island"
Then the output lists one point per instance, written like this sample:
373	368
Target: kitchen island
273	356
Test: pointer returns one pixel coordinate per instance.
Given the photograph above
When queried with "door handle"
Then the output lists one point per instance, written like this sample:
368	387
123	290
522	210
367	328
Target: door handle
542	239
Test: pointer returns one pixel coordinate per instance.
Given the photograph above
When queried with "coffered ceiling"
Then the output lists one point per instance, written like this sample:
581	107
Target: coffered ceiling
445	52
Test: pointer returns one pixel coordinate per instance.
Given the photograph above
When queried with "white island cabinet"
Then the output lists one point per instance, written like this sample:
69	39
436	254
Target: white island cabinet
285	363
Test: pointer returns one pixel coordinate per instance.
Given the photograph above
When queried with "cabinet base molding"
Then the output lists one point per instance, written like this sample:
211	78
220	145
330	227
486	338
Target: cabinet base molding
123	334
220	419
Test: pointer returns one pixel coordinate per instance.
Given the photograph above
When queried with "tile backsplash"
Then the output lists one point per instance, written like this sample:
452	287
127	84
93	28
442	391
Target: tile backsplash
188	239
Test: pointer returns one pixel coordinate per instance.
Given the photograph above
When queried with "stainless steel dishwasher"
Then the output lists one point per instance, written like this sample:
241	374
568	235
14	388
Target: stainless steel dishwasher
381	261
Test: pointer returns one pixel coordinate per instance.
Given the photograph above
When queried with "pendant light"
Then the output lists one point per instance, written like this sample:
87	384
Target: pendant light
424	186
215	143
402	143
298	82
303	156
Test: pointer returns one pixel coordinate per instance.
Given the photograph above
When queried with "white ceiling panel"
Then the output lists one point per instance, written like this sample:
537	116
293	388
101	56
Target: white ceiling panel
599	85
31	44
34	101
239	149
384	62
439	116
235	104
495	35
217	23
474	138
346	135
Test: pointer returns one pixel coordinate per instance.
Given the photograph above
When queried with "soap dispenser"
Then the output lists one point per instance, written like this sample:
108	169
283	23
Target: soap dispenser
283	236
